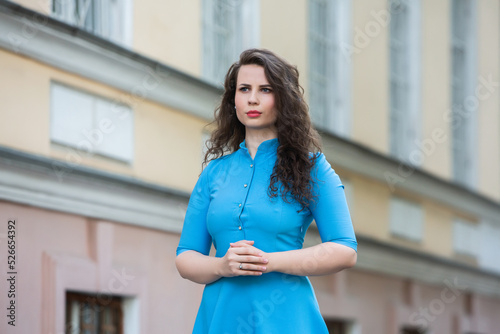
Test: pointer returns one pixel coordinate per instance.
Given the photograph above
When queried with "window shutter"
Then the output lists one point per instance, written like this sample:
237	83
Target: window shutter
465	237
406	219
404	78
91	124
329	89
226	34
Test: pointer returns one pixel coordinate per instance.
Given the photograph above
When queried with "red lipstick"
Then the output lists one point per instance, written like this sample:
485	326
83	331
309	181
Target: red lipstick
253	113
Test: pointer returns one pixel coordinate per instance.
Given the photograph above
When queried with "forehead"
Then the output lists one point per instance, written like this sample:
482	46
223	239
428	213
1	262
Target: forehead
252	74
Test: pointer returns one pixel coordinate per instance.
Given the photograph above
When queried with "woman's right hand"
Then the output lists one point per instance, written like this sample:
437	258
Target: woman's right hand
243	259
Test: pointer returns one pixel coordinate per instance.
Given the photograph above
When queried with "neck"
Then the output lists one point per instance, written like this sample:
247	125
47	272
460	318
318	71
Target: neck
253	138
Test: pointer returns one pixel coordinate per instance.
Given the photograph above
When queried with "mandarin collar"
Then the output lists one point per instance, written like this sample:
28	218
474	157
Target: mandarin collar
269	145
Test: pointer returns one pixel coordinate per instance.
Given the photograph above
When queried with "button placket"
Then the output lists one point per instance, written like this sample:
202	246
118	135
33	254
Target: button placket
263	154
241	205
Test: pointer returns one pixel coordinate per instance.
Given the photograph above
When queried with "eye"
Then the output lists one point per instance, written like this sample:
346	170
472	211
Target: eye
267	90
244	89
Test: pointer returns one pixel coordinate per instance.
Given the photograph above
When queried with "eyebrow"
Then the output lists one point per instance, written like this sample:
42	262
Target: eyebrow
245	84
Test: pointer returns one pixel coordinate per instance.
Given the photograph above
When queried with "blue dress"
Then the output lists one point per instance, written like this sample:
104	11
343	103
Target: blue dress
229	203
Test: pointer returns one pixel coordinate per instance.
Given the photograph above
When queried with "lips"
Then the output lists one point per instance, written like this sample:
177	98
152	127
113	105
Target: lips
253	113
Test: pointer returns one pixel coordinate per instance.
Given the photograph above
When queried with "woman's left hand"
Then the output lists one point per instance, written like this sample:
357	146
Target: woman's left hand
248	244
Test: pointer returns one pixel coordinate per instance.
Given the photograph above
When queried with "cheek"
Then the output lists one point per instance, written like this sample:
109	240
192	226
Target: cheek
240	106
271	105
238	100
272	101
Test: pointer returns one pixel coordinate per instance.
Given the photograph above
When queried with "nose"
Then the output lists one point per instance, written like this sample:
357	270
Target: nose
253	98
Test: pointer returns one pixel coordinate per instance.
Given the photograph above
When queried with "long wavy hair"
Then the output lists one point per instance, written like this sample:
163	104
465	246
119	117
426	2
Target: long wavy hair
291	176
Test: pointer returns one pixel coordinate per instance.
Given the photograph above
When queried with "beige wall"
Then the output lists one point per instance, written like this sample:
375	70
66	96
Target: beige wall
284	30
436	85
169	31
167	142
370	213
370	78
42	6
23	89
438	229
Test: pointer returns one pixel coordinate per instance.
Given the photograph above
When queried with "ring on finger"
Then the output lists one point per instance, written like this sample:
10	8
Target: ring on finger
241	266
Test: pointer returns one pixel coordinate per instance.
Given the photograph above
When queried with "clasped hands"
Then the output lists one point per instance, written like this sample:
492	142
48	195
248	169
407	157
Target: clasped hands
243	259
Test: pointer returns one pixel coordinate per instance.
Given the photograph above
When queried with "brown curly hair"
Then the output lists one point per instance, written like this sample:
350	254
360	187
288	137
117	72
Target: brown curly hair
297	138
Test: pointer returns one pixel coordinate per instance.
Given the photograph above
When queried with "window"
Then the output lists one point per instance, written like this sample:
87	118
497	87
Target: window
329	66
93	314
110	19
91	124
226	34
465	237
406	219
489	234
404	76
412	330
338	326
464	101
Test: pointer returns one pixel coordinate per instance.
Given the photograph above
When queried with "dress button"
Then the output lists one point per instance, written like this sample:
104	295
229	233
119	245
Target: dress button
245	185
239	227
251	166
239	205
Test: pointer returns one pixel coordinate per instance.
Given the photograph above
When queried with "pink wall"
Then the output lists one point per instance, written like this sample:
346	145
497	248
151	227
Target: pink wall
57	251
383	305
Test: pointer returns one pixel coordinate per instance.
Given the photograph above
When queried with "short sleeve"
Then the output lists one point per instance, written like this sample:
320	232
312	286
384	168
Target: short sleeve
330	210
194	234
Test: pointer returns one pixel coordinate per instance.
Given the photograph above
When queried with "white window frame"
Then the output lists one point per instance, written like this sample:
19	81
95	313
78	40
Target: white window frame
405	79
131	315
464	81
229	27
465	237
91	125
329	66
109	19
406	219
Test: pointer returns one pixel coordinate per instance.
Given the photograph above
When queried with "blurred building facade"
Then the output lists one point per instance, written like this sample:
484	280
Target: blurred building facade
103	113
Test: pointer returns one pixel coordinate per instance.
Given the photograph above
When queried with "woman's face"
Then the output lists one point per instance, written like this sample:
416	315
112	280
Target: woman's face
254	99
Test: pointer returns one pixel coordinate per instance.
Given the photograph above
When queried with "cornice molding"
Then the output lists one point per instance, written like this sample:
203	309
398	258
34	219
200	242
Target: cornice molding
379	257
367	162
49	184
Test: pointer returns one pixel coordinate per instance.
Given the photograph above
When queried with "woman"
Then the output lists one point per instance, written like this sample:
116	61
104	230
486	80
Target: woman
255	200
